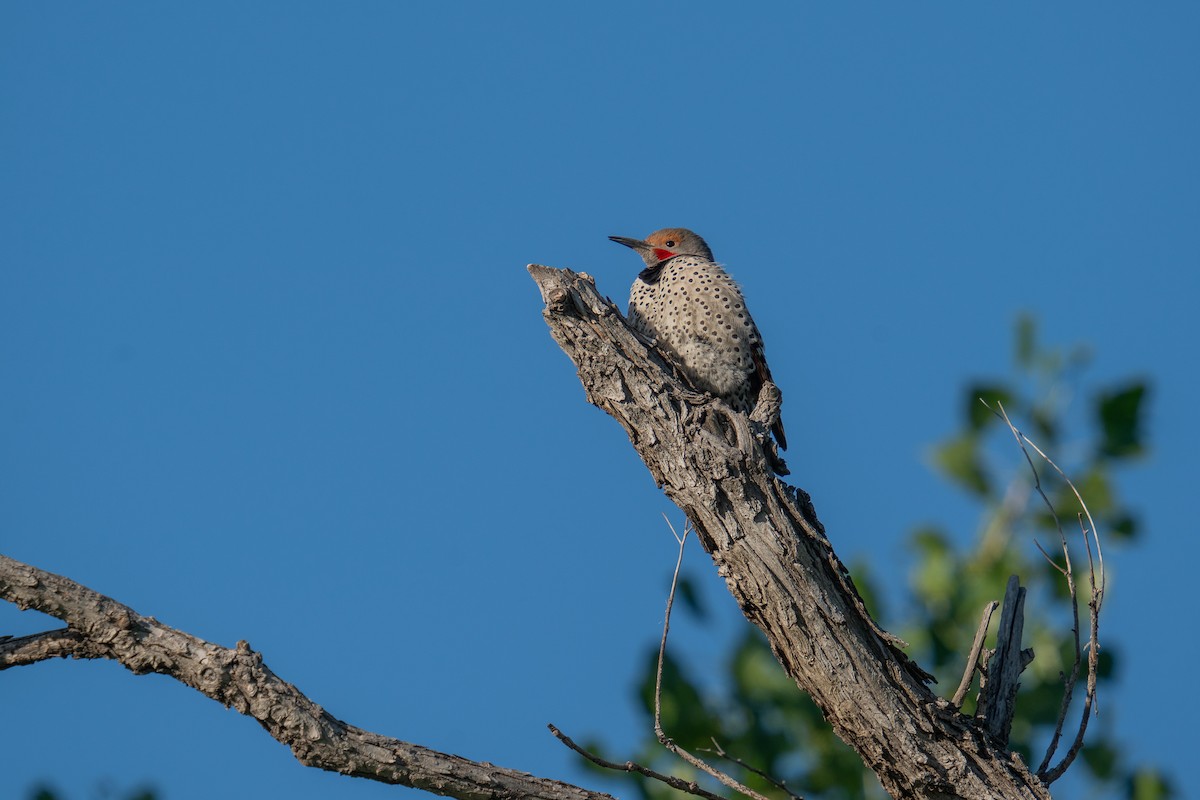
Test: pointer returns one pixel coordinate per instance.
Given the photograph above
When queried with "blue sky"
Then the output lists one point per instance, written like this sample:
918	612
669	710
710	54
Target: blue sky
273	369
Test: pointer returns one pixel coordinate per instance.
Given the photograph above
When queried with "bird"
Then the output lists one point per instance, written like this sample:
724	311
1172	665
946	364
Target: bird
694	309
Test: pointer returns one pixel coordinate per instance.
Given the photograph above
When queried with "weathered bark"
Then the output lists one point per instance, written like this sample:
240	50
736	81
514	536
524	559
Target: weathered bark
998	687
103	628
766	542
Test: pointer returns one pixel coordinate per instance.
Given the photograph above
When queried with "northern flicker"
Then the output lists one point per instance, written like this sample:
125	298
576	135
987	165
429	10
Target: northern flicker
694	309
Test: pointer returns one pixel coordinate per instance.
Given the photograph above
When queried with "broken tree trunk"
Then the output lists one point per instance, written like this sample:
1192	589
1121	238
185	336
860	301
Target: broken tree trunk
998	690
766	541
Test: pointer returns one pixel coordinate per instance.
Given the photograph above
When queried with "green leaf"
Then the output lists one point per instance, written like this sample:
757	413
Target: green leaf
930	540
758	676
936	579
958	459
861	572
1097	492
684	712
1102	758
994	395
1120	415
686	591
1045	427
1106	664
1148	783
1123	526
1026	341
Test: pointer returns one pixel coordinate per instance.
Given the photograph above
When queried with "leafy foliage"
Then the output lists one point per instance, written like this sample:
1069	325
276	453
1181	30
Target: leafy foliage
767	722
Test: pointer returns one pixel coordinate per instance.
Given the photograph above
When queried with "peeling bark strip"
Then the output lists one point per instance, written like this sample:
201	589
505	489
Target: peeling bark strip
103	628
766	542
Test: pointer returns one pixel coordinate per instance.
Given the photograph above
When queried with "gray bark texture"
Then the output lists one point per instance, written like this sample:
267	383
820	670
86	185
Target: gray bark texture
766	541
1003	678
100	627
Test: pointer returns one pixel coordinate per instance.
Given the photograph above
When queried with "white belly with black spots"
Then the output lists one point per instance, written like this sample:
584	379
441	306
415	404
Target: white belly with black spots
697	313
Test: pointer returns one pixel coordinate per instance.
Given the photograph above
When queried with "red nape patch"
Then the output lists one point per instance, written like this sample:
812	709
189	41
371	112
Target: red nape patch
663	255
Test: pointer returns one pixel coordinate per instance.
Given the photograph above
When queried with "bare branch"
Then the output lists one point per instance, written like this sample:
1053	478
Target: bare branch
239	679
1090	701
691	787
973	659
1090	533
59	643
1090	536
720	752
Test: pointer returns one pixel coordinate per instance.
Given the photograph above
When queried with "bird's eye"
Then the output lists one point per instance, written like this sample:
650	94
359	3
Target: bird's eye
669	243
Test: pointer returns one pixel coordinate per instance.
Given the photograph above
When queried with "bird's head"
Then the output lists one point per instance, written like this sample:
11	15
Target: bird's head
666	244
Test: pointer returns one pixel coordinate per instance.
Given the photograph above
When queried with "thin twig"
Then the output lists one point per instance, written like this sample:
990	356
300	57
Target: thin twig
1091	523
663	739
1022	439
973	659
720	752
1068	574
1046	774
691	787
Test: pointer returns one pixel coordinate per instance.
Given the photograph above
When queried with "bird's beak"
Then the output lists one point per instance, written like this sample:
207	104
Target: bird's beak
636	244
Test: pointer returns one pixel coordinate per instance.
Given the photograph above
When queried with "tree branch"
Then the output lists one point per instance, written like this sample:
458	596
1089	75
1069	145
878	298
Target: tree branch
1090	535
998	694
100	627
766	541
690	787
973	658
59	643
